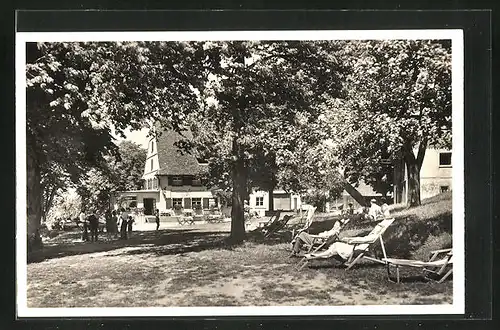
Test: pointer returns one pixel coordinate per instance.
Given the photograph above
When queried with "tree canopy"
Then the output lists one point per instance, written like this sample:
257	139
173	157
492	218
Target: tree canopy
263	109
398	104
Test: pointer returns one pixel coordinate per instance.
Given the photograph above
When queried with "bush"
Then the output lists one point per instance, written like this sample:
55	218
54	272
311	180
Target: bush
433	242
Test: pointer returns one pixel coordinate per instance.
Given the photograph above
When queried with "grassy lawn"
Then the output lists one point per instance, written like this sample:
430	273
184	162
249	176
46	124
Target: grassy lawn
191	266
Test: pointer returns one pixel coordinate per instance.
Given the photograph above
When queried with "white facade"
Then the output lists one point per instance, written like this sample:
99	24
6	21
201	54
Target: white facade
152	164
162	189
259	201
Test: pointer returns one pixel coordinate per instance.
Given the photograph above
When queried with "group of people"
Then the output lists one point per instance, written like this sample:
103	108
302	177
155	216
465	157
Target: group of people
121	219
374	212
89	222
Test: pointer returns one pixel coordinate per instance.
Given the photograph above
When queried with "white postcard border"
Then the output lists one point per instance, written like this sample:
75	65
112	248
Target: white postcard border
458	305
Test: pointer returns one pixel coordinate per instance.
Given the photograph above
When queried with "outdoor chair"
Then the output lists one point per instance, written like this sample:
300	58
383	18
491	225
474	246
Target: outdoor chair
320	242
440	268
187	217
265	224
277	226
358	247
305	227
198	215
214	216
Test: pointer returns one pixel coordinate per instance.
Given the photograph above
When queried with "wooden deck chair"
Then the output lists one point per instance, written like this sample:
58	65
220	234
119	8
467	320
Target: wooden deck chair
187	216
214	216
277	225
360	246
198	214
442	267
305	227
319	242
264	225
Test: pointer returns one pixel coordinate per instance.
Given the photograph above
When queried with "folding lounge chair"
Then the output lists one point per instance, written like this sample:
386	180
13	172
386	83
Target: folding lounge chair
263	225
187	216
440	267
277	225
214	216
319	242
198	215
309	220
360	246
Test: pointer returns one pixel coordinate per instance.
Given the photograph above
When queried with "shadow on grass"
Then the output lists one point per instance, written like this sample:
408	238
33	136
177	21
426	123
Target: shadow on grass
164	241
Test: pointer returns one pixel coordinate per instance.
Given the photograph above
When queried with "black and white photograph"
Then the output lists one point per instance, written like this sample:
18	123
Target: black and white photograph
240	173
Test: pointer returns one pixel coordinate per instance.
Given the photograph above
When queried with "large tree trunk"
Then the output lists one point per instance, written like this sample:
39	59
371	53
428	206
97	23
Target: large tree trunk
271	200
48	201
34	209
413	165
239	192
413	171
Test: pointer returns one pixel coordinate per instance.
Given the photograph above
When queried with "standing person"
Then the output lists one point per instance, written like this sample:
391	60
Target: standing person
350	209
109	222
94	226
83	221
130	221
157	218
123	226
114	223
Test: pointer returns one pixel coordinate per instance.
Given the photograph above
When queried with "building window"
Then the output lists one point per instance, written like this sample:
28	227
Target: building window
196	182
145	186
149	184
444	188
152	146
177	181
196	203
259	201
445	159
151	164
177	203
155	183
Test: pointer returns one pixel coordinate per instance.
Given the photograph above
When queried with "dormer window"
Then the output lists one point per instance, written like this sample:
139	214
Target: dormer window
177	181
196	181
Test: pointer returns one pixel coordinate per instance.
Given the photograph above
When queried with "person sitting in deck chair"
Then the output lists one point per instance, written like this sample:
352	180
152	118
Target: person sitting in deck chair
344	249
306	238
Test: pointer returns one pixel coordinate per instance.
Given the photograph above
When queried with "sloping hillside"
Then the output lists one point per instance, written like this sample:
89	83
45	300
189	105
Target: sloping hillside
416	231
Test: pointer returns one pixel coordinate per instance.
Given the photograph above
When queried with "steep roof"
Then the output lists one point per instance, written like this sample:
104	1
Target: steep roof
173	161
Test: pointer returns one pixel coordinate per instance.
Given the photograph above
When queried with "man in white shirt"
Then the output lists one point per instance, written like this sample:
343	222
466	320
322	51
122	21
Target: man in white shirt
375	211
385	210
83	221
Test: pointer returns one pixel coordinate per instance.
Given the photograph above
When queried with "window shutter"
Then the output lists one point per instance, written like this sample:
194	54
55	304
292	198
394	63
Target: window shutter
187	203
169	180
168	203
186	181
205	203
